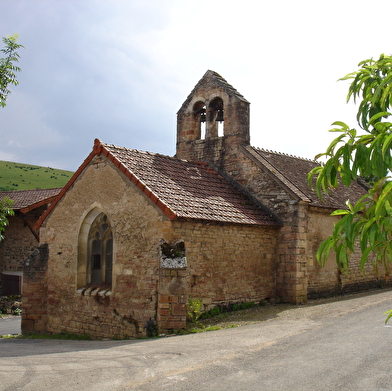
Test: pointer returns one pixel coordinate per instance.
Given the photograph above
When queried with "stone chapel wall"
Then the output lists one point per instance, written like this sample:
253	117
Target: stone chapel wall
137	228
323	281
227	155
219	269
291	275
228	263
328	280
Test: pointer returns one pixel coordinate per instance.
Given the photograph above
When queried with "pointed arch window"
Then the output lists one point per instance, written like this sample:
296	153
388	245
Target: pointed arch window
100	252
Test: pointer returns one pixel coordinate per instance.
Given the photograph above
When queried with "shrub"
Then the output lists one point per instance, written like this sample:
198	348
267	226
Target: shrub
194	310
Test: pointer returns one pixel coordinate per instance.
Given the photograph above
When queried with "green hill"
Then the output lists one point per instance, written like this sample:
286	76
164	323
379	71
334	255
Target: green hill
19	176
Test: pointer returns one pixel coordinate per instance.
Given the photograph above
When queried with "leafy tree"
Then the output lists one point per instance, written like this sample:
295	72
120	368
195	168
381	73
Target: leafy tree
5	210
7	77
8	67
362	152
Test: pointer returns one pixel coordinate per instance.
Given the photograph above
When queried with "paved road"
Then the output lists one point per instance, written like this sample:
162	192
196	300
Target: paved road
10	325
332	346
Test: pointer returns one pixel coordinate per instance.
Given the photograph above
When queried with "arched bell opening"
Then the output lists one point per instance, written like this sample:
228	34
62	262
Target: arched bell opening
200	115
216	118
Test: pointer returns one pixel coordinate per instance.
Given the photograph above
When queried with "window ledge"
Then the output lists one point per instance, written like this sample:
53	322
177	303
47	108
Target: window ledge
102	291
173	263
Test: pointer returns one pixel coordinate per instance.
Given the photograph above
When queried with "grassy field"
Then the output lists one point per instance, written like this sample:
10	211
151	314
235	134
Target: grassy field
18	176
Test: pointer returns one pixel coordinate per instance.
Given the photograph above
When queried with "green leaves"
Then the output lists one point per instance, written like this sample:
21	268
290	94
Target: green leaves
8	67
353	154
5	211
367	224
372	83
389	315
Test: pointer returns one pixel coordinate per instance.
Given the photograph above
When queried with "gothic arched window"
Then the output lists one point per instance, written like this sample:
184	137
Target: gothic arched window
100	252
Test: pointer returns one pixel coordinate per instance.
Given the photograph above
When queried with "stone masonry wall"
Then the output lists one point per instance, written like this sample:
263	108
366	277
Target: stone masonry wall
235	124
323	281
328	280
226	155
172	299
291	278
224	264
297	276
228	263
292	238
18	244
356	279
137	226
35	289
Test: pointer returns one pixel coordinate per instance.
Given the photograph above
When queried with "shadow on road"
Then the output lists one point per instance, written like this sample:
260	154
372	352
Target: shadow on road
16	347
30	347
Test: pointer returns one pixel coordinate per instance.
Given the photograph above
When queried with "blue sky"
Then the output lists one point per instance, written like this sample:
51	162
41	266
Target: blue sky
119	70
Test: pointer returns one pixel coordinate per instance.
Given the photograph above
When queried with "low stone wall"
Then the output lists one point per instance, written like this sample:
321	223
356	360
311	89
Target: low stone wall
34	301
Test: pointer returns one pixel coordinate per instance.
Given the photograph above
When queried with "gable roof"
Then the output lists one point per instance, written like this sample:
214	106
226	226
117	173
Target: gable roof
181	189
213	79
26	200
293	171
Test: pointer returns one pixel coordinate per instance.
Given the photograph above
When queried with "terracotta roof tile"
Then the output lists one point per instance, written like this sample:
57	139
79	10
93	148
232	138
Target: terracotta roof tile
189	190
30	199
293	172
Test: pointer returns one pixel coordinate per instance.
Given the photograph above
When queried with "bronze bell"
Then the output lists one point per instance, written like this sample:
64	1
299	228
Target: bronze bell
219	117
203	115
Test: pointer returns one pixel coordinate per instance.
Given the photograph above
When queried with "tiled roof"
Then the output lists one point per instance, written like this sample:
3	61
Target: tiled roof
189	190
181	189
25	200
293	172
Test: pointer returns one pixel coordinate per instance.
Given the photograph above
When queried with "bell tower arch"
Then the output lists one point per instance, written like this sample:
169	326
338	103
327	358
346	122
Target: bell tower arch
212	122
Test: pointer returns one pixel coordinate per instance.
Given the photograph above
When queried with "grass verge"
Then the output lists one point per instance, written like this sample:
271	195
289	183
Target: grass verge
62	336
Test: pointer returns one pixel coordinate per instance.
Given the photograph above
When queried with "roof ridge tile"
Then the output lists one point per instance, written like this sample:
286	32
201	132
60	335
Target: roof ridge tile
285	154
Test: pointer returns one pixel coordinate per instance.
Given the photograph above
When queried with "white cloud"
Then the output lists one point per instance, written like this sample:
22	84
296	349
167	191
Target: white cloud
120	70
24	125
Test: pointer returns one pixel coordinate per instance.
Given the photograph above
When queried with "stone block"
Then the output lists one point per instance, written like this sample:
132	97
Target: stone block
168	299
175	324
179	309
164	311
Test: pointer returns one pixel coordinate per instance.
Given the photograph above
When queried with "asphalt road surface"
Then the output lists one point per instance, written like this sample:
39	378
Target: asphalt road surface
341	345
10	325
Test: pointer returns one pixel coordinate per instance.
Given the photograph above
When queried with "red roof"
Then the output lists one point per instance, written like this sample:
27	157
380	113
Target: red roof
25	200
181	189
292	172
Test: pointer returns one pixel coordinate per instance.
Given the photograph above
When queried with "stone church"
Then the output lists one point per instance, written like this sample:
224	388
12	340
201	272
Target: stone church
134	235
